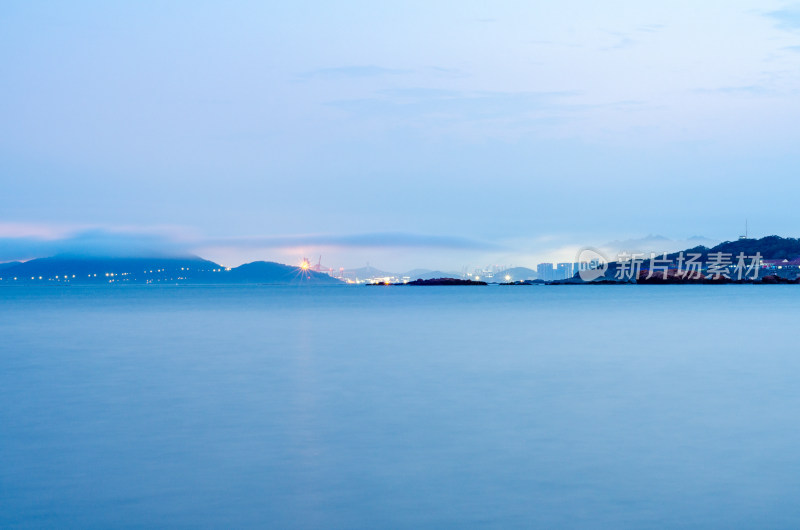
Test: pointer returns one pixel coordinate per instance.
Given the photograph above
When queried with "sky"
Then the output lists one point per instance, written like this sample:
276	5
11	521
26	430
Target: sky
444	134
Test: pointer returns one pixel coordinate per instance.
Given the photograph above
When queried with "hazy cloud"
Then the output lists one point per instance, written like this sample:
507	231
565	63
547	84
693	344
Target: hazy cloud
370	240
452	105
451	73
91	243
651	28
623	41
752	90
786	18
655	243
344	72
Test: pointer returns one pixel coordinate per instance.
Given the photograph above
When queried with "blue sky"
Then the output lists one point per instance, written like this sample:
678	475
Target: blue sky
439	134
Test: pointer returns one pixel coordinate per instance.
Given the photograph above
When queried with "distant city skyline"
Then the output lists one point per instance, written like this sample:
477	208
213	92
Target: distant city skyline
441	135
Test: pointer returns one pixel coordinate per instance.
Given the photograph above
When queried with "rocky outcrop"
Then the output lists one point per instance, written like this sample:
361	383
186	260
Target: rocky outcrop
444	281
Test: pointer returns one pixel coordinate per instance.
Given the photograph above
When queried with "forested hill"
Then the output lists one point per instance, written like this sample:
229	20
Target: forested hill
770	247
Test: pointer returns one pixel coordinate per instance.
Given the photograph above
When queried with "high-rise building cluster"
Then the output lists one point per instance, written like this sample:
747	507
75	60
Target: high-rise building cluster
561	271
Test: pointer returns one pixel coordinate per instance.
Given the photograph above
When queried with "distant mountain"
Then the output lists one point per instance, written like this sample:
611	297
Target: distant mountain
416	273
9	264
367	272
189	270
277	273
770	248
101	269
431	275
516	274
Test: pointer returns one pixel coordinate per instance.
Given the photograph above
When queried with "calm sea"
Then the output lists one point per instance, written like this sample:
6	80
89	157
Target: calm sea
400	407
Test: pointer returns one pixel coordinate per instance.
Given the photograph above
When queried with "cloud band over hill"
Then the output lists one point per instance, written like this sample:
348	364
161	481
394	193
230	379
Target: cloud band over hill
103	242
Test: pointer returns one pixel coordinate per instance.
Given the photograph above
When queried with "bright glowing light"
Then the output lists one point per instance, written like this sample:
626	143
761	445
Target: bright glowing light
508	278
477	278
304	265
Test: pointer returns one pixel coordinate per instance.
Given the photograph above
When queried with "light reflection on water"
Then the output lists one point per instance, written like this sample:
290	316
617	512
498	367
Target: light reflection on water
344	407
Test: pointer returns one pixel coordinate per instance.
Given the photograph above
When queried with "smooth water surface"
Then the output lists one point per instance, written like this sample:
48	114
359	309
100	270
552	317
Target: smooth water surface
400	407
